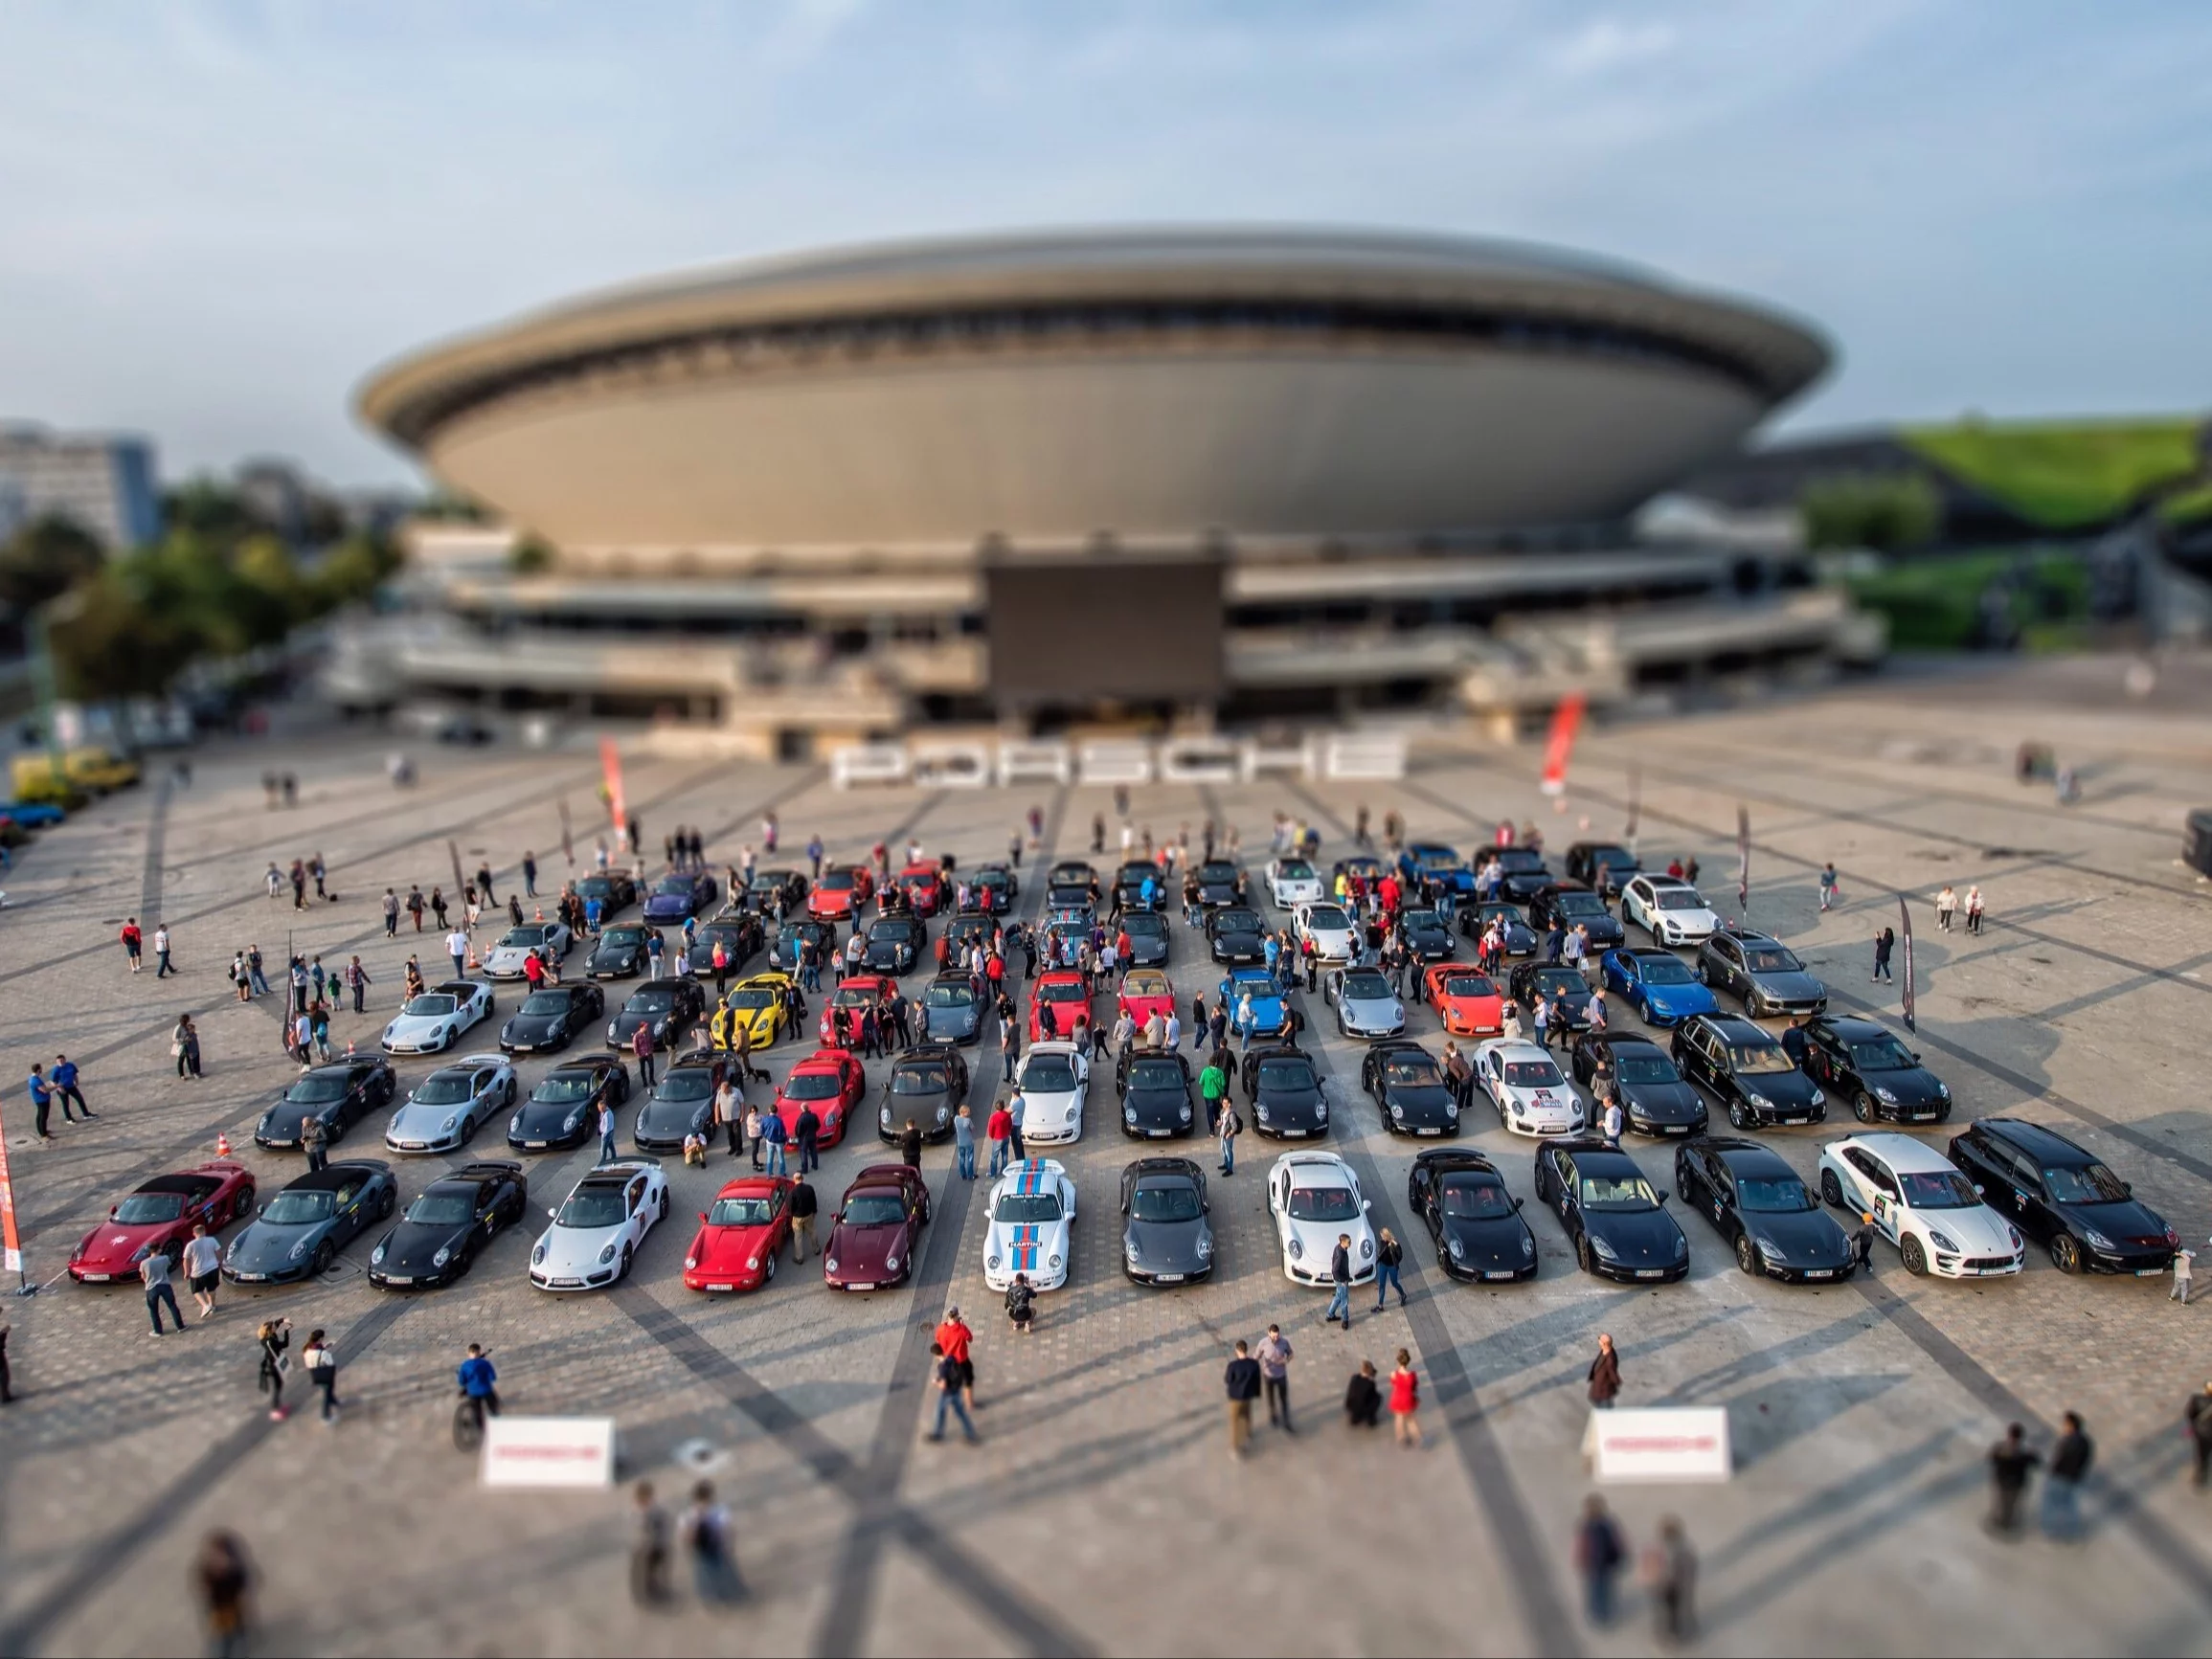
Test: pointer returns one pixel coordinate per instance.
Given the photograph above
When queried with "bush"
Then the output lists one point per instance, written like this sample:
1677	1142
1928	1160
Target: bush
1888	512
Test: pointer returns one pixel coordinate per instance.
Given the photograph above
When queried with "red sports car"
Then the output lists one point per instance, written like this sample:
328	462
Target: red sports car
840	893
829	1080
1145	992
860	990
1063	988
160	1215
876	1232
740	1235
925	887
1469	1003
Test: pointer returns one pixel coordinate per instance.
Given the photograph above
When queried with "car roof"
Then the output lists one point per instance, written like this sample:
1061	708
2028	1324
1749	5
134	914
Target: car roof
1853	1025
2045	1146
697	1060
335	1175
1743	938
185	1182
1452	1157
1280	1051
1317	1161
485	1169
1660	879
585	1062
1616	1040
1901	1151
455	987
470	1063
1592	1147
1748	1156
1736	1028
1164	1167
1516	1048
1646	953
1400	1046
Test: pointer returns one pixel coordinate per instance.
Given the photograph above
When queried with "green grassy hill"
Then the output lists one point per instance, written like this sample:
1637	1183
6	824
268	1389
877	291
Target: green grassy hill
2062	475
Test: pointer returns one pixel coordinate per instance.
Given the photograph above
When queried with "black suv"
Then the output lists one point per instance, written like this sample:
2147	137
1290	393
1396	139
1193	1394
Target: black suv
2062	1197
1748	1071
1862	1061
1571	904
1585	858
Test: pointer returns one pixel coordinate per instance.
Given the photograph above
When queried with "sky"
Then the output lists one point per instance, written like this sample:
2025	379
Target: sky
216	220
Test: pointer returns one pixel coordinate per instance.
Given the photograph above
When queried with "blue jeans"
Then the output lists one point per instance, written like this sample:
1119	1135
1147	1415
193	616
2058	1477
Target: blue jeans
459	964
258	980
1600	1596
966	1156
155	1296
607	1152
2061	1515
1340	1305
1228	1157
998	1149
776	1164
1010	1060
949	1400
1386	1277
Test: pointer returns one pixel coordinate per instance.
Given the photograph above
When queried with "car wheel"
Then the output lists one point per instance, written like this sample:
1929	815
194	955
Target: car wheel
390	1201
335	1132
1915	1257
1862	1106
469	1129
2067	1253
323	1256
1747	1255
242	1205
1582	1254
1737	1116
770	1276
625	1272
663	1203
1831	1190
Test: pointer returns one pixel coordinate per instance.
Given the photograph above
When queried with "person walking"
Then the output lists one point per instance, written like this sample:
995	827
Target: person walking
1389	1253
959	1341
184	1042
320	1358
1017	1108
273	1337
805	1207
1605	1376
730	1114
2069	1466
946	1371
1670	1571
2011	1462
642	1046
711	1537
1614	1120
390	914
1274	1359
1363	1398
2184	1260
2197	1419
607	1152
1974	909
1883	943
806	1136
1241	1382
1599	1553
253	970
134	944
153	1274
203	1267
224	1581
1212	1089
649	1553
529	874
315	1140
1406	1401
1946	907
1341	1276
999	1130
1827	886
163	969
1227	1129
964	1144
457	948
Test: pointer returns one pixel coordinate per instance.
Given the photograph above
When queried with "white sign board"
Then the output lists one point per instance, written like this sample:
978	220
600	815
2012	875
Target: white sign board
869	763
548	1451
1675	1442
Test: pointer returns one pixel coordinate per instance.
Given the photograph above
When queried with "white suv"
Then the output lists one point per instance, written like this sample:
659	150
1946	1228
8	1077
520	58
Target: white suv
1670	910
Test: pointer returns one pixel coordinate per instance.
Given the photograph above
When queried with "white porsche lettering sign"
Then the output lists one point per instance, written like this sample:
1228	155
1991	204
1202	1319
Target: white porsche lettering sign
1659	1443
548	1451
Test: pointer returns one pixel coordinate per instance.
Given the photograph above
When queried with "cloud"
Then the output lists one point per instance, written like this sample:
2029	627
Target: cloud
1608	43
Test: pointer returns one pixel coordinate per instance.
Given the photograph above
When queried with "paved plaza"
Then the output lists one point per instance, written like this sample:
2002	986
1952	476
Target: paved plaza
1101	1513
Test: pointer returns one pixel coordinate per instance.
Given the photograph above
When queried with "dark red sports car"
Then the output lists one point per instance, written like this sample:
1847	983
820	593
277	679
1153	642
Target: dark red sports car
160	1215
1064	989
877	1229
738	1237
829	1080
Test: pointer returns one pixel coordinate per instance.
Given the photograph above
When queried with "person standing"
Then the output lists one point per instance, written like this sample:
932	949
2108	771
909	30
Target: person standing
457	948
730	1114
1274	1359
153	1274
1599	1552
224	1581
1363	1398
642	1046
184	1041
947	1372
42	1102
1212	1089
163	968
1241	1381
1227	1129
2069	1466
999	1130
529	874
806	1134
709	1533
273	1337
314	1137
2196	1418
1827	886
1406	1401
1946	907
1017	1108
390	914
1605	1376
2010	1464
1341	1276
134	944
964	1144
650	1554
320	1358
607	1152
203	1267
2184	1258
1614	1120
1389	1253
773	1134
66	1090
1671	1570
805	1206
1883	943
1974	909
358	982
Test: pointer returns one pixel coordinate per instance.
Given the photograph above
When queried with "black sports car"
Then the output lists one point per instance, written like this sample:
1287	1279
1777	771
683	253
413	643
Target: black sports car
1129	885
1521	869
563	1110
1548	979
793	933
1573	906
1220	883
1429	934
453	1219
1585	858
1520	938
341	1094
553	1016
737	932
894	945
767	885
1655	1098
615	891
299	1232
1072	873
1861	1062
682	1103
994	889
620	953
952	1011
1618	1223
668	1007
927	1087
679	894
1475	1223
1155	1091
1748	1071
1285	1092
1147	932
1769	1218
1167	1239
1235	935
2059	1193
1762	974
1410	1089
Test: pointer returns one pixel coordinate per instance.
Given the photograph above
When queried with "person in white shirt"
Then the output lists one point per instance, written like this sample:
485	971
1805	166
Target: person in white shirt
203	1267
1614	1120
457	947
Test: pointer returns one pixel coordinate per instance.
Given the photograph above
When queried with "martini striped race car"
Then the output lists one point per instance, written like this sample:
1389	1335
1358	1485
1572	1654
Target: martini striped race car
1032	1221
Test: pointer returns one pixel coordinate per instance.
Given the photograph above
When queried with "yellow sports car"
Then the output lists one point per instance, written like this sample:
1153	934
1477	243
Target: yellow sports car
759	1003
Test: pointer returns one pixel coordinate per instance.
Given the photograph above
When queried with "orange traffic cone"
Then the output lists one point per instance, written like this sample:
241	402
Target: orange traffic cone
222	1144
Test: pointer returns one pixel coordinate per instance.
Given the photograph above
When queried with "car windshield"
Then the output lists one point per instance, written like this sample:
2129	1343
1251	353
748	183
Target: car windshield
810	1085
1664	970
1436	858
1532	1074
949	996
728	932
1772	959
443	1088
1758	1058
741	1212
319	1087
565	1089
1237	922
1217	871
1492	912
2090	1184
625	935
142	1209
1167	1202
301	1208
1679	899
1468	985
1143	925
857	995
1561	981
1581	904
1616	1192
1645	1068
436	1209
1295	871
751	997
1519	860
523	938
1326	917
430	1005
594	888
1155	1074
1063	991
1049	1074
896	931
1421	1071
593	1207
1476	1198
1323	1205
650	1003
1423	922
1773	1194
546	1002
1936	1190
685	1083
1027	1207
919	1080
835	881
1365	986
1882	1054
675	886
1278	1074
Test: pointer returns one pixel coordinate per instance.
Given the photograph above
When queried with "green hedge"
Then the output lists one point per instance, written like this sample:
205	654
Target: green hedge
1934	604
2063	475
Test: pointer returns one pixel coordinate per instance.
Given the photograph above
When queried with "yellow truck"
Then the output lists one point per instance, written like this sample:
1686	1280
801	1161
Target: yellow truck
89	769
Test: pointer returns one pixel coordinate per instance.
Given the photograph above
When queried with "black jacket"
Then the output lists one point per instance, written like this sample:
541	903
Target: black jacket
1341	1264
1242	1379
1389	1253
1362	1399
802	1202
2070	1458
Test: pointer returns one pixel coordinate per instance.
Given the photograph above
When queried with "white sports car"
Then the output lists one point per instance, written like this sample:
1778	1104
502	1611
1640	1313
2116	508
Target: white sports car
433	1022
451	1103
1921	1203
1054	1079
1032	1211
598	1229
1670	910
505	960
1532	1095
1293	882
1315	1200
1334	937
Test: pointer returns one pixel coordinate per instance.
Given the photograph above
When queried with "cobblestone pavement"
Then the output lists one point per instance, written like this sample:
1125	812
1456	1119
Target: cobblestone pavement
1101	1512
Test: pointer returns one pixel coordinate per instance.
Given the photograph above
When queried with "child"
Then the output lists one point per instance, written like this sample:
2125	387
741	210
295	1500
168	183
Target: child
1405	1401
1019	1303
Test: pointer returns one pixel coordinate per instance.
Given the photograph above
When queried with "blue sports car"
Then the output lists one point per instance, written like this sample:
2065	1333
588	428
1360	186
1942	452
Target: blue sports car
677	896
1270	1014
1657	984
32	814
1436	865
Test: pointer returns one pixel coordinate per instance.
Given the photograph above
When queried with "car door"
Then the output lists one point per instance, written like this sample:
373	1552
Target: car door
640	1215
1566	1200
2015	1185
355	1208
1880	1191
1720	1194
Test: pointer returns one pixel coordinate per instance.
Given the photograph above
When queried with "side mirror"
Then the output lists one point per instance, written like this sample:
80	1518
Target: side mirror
1663	1197
1517	1203
702	1215
552	1211
1979	1191
1367	1204
111	1210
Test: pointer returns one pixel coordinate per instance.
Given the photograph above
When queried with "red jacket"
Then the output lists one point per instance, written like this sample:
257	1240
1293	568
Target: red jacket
1000	1126
954	1336
1404	1390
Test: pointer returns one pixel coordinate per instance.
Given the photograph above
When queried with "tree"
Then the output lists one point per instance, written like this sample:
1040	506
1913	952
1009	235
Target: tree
1885	512
106	643
530	556
44	560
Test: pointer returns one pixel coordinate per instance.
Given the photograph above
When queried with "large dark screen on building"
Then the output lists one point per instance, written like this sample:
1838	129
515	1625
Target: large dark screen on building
1105	629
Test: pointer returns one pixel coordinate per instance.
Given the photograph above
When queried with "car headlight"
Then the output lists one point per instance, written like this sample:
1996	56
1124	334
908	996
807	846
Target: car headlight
2096	1237
1397	1114
569	1123
891	1263
1452	1109
1768	1248
267	1118
444	1255
1943	1091
1182	1113
1605	1251
1205	1246
606	1254
1297	1248
514	1124
2018	1242
389	1030
1527	1248
537	1255
451	1124
1398	1012
1456	1248
1942	1242
1261	1112
1757	1098
299	1249
1051	1261
375	1256
1681	1247
991	1262
752	1263
1819	1098
1886	1096
1519	1109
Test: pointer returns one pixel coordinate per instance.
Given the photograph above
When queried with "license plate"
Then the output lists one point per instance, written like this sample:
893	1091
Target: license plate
1159	1133
1498	1275
2140	1272
1819	1272
1651	1273
519	1048
1167	1279
398	1279
1677	1129
94	1278
860	1286
1428	1132
414	1146
534	1145
721	1287
249	1278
